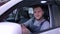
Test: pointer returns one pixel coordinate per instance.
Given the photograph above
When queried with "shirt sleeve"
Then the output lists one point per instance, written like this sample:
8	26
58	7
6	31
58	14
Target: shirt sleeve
45	26
28	23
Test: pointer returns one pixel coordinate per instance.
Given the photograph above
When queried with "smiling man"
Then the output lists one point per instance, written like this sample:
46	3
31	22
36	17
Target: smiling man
38	23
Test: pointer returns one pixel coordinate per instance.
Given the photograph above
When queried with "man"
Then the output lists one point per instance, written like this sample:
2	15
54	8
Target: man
37	23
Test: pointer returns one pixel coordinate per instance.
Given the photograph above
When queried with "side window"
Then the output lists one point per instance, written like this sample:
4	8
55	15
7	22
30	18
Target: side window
12	17
19	15
24	14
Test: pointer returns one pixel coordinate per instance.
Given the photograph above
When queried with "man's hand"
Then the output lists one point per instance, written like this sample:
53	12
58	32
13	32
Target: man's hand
25	30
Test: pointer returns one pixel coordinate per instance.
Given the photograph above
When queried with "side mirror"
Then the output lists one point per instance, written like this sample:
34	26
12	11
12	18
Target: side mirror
10	28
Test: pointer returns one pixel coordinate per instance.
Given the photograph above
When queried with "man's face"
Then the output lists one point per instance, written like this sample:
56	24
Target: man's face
38	13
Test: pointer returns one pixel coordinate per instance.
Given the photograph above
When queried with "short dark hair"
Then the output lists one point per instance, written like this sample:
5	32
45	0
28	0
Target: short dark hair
41	6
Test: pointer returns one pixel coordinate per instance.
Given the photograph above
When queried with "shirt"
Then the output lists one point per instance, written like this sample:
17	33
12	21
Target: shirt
45	25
